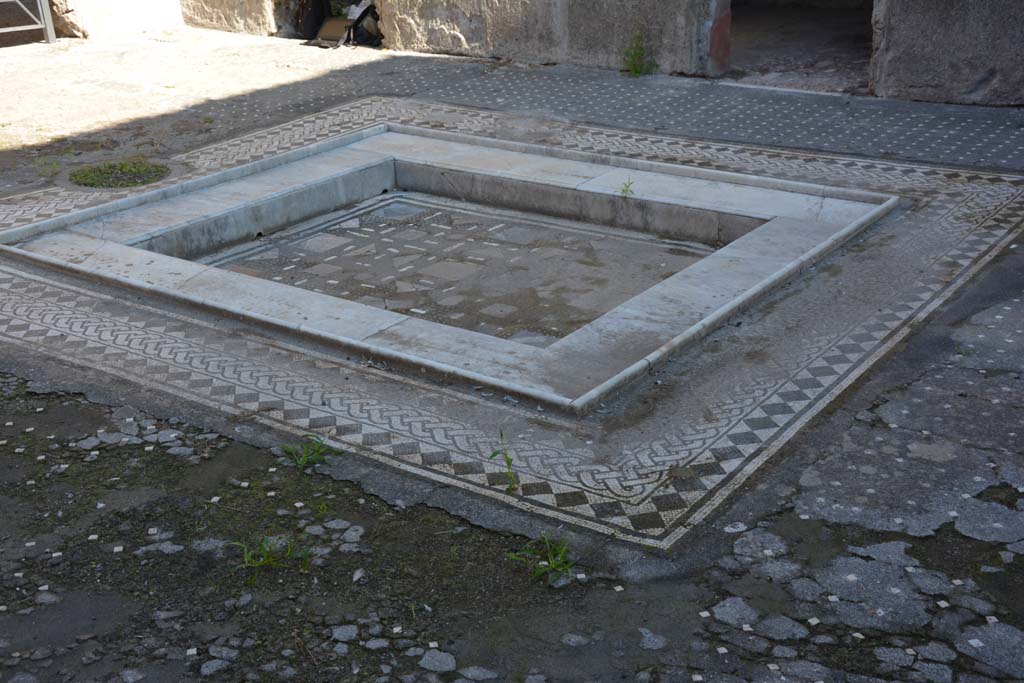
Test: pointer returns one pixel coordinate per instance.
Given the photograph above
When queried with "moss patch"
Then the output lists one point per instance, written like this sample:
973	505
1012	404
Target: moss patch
127	173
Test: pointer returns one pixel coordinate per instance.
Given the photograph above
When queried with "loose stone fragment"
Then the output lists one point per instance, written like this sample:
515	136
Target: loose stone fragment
437	661
758	544
476	673
735	612
651	640
212	667
345	633
999	645
225	653
167	435
779	627
337	525
47	598
575	640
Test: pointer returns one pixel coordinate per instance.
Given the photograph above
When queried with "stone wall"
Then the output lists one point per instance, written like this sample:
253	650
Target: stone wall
963	51
240	16
259	17
65	20
678	33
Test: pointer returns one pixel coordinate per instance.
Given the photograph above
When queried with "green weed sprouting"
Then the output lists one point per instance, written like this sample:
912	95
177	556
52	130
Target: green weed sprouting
547	558
636	59
271	552
312	451
127	173
511	478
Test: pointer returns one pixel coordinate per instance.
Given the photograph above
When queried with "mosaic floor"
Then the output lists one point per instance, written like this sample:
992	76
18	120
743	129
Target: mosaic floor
715	110
506	274
645	468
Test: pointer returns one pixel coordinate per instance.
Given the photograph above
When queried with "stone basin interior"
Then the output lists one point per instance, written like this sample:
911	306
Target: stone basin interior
554	275
517	276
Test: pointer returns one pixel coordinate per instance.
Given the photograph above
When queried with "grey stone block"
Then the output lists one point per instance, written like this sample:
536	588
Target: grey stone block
949	51
679	35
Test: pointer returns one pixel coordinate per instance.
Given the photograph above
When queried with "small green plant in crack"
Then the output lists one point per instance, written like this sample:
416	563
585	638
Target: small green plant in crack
547	558
47	167
511	478
636	59
626	190
963	350
269	553
312	451
127	173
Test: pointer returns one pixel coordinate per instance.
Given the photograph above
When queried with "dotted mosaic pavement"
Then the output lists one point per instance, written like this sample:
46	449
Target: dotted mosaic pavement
715	110
646	480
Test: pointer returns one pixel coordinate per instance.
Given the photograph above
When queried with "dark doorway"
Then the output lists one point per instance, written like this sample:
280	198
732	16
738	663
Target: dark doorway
822	45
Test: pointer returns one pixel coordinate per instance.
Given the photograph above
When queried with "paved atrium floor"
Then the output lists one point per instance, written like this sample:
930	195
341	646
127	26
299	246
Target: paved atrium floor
825	486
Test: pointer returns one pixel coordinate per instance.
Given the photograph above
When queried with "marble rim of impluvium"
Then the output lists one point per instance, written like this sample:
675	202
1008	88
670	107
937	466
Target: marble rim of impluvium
775	229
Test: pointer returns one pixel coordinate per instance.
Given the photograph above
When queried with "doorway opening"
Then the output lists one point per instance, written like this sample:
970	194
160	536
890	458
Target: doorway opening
821	45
